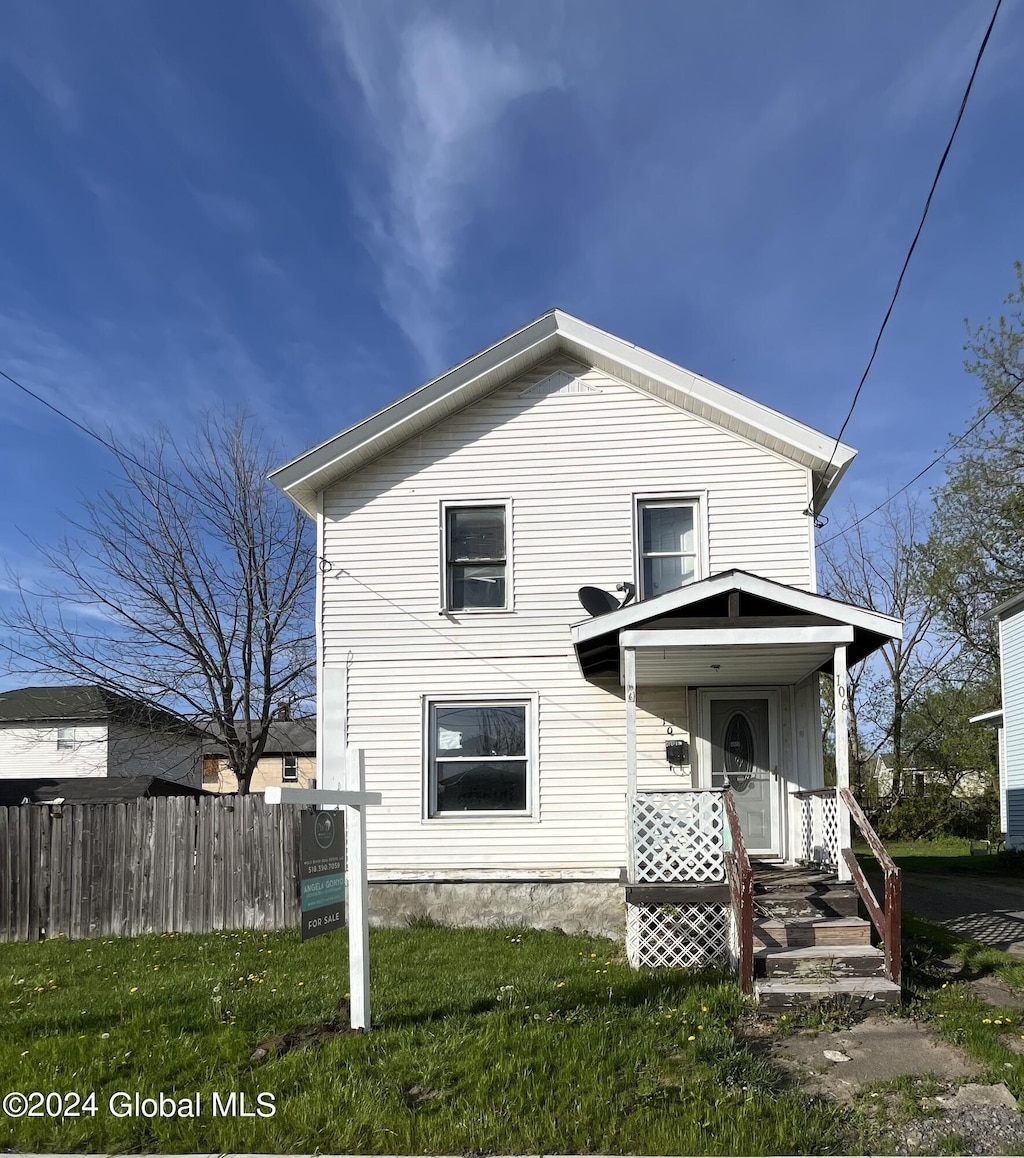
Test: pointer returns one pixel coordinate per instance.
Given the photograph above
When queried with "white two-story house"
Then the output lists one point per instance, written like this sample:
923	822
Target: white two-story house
537	756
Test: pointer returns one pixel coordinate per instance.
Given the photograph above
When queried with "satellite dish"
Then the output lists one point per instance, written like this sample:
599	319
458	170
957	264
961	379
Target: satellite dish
597	601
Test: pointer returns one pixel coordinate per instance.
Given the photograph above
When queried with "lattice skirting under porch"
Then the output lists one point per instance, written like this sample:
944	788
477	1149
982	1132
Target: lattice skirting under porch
677	936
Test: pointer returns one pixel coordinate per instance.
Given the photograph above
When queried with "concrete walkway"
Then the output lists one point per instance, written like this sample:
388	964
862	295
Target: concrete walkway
984	908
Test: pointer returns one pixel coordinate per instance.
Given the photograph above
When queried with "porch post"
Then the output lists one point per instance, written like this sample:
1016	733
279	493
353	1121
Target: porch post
629	662
841	690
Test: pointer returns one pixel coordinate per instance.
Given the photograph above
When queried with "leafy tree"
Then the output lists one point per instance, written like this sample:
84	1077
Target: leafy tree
975	550
879	566
188	586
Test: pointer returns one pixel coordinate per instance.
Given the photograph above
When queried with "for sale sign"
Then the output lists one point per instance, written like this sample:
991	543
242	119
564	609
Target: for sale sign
322	873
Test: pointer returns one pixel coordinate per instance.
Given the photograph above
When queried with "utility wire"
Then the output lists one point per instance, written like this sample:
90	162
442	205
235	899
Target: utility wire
935	461
118	452
906	262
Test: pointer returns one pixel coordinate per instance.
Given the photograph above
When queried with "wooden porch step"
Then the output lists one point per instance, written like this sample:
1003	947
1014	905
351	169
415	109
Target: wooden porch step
785	993
793	932
820	962
826	903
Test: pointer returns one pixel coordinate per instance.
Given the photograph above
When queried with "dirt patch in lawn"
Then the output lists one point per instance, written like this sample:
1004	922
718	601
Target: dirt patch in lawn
914	1088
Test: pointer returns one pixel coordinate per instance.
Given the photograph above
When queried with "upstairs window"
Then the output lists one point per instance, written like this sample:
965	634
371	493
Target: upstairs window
65	738
667	534
476	557
289	769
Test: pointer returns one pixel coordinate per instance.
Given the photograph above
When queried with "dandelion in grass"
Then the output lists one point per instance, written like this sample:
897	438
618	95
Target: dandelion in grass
134	989
986	1021
691	1038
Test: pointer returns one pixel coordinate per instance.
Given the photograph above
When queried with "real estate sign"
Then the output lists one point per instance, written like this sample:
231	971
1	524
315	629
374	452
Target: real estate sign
322	873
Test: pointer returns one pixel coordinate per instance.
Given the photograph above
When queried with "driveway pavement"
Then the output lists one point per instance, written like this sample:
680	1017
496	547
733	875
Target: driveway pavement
987	909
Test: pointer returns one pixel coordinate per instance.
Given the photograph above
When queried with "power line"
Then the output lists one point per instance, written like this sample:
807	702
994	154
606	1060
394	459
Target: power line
910	254
118	452
935	461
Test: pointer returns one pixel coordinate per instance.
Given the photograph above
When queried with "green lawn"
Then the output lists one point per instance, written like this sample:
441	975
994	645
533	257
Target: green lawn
945	854
484	1040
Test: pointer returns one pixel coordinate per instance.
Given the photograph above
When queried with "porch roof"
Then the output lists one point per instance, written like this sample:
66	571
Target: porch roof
731	629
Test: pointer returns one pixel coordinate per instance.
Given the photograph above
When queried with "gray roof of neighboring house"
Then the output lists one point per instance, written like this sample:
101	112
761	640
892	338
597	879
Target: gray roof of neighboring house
284	737
86	702
90	789
1007	607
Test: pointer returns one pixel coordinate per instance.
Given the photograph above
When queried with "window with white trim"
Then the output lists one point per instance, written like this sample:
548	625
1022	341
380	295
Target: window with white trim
667	544
479	757
476	557
289	768
65	738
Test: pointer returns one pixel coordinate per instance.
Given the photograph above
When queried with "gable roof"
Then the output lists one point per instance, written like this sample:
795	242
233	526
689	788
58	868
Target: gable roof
85	702
553	333
596	640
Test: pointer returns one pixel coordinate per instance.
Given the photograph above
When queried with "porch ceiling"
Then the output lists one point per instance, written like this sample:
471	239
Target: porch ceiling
729	665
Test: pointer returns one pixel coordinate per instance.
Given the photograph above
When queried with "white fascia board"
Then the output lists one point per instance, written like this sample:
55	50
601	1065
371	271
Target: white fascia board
736	637
1007	607
995	716
800	437
671	601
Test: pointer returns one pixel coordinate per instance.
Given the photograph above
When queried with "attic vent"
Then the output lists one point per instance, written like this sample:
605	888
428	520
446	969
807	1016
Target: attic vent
560	382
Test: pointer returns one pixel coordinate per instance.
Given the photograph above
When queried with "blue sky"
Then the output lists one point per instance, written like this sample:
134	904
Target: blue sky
309	208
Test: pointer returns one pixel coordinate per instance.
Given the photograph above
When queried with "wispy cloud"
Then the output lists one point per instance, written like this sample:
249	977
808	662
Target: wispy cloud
435	96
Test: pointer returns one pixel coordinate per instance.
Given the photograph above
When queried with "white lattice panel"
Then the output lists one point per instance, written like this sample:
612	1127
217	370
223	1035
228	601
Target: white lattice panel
819	829
677	936
678	836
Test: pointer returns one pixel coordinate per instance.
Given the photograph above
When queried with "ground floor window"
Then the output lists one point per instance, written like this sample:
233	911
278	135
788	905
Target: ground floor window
479	757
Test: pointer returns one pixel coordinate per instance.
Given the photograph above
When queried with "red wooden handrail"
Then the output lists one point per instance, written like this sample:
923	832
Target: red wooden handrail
741	891
887	919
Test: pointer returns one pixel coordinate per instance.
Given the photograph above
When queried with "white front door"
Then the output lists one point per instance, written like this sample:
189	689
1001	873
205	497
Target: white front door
740	728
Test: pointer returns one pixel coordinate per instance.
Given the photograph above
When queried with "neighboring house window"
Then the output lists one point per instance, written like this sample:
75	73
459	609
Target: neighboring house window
667	541
289	768
65	738
479	758
476	557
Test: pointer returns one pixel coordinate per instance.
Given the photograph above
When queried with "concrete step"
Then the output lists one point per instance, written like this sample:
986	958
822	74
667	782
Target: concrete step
827	903
820	962
858	992
796	931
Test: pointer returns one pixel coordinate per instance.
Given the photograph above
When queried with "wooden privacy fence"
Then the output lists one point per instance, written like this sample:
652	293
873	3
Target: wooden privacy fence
164	865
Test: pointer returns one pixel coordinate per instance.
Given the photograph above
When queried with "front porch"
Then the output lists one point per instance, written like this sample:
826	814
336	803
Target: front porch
746	653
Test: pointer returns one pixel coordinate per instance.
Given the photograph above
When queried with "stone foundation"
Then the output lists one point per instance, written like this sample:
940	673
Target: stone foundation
596	907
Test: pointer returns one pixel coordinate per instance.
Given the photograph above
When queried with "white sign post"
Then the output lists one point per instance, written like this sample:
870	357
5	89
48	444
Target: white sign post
355	798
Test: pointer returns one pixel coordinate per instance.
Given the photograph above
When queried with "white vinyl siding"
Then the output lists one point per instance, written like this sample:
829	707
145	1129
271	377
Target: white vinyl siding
572	464
33	750
1011	642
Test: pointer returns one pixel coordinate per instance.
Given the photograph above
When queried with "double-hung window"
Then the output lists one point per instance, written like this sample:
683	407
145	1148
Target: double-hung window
476	563
479	757
66	737
667	534
289	769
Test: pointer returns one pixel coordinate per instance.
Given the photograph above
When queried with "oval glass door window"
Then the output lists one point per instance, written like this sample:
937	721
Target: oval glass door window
738	749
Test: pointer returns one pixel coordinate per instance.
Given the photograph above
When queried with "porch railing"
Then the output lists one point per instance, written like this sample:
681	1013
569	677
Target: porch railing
887	917
678	837
817	838
741	893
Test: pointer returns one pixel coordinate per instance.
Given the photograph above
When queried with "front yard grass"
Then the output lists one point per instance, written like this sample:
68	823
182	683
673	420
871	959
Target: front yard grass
504	1041
945	854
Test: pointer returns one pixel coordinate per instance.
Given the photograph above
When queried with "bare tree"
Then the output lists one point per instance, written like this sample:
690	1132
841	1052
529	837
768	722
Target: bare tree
879	566
188	586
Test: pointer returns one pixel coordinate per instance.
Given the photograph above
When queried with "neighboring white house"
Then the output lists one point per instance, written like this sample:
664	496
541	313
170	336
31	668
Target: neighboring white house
87	730
524	747
1009	616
